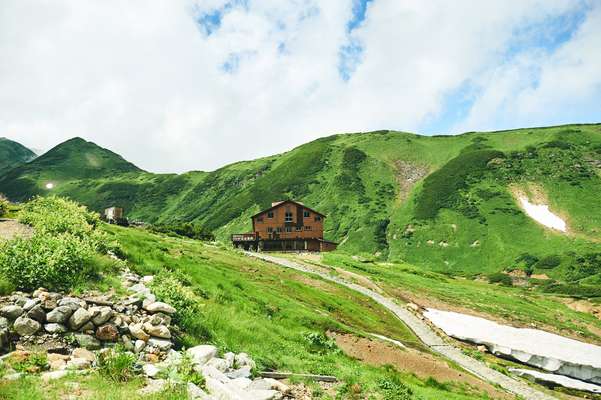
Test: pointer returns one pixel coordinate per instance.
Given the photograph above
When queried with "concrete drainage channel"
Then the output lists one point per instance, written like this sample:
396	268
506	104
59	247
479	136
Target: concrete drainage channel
428	336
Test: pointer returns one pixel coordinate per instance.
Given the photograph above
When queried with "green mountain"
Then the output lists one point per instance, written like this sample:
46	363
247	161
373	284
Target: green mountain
13	154
448	203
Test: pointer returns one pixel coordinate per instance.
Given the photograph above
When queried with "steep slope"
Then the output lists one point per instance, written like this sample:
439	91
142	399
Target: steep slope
74	159
13	154
446	203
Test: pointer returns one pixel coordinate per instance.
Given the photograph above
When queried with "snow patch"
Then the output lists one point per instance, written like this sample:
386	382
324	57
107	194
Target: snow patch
552	379
541	214
547	351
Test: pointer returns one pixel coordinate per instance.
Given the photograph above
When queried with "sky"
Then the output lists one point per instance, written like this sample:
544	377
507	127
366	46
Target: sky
180	85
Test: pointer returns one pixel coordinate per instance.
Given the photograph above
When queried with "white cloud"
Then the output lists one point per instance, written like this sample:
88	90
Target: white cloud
141	77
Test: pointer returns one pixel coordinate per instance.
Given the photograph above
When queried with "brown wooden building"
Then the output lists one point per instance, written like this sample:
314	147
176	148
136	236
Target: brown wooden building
285	226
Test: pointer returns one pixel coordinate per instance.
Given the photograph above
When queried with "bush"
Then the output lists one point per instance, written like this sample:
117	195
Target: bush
58	253
503	279
4	206
189	230
549	262
394	389
320	343
117	365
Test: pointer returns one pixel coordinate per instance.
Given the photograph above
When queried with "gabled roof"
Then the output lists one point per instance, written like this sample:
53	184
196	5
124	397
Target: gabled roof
277	204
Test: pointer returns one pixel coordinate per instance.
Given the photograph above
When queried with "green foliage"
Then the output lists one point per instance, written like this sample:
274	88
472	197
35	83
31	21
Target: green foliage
117	365
320	343
31	363
58	253
442	188
549	262
572	290
4	206
501	278
394	389
192	231
584	266
13	154
349	179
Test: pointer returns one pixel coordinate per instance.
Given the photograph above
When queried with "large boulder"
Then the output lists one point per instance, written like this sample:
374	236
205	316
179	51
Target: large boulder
26	326
87	341
79	318
200	355
100	315
55	328
59	315
11	312
137	331
107	333
37	313
161	344
160	331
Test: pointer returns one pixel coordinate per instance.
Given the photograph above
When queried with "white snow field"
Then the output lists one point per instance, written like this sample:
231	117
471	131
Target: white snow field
561	380
541	214
547	351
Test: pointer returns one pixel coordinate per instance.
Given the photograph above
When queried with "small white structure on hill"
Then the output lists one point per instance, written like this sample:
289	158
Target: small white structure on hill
113	214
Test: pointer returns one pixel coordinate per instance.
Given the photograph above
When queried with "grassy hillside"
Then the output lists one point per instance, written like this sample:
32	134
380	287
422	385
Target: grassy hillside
447	203
13	154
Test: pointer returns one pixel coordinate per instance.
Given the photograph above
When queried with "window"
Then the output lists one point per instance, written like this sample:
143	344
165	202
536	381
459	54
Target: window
288	217
307	214
270	214
288	229
260	219
278	229
299	228
307	228
270	229
318	218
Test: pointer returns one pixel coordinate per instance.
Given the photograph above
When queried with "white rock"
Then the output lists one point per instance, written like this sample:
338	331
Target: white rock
242	372
159	306
242	383
78	363
196	393
53	375
13	377
150	370
552	379
147	279
269	384
153	386
218	363
243	359
263	395
137	331
212	372
550	352
200	355
161	344
222	391
139	288
230	358
160	331
139	346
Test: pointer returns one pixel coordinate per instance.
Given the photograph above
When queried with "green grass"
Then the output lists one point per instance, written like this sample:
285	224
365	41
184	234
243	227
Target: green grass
13	154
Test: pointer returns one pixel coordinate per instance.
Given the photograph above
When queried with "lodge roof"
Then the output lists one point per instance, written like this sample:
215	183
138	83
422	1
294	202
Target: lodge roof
277	204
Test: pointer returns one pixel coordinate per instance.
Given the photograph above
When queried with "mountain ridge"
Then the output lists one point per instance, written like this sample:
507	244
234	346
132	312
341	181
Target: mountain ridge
13	154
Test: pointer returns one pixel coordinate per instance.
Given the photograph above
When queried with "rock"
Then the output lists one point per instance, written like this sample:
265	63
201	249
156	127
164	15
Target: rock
3	323
161	344
11	312
55	328
4	337
13	377
270	384
127	343
147	279
219	364
151	358
39	292
31	303
72	302
264	395
544	350
85	354
160	307
88	328
243	359
200	355
230	358
101	315
160	319
242	372
79	318
160	331
224	391
150	370
56	365
137	331
482	349
53	375
59	315
132	301
19	300
87	341
147	301
196	393
152	387
26	326
139	346
37	313
242	383
107	333
78	363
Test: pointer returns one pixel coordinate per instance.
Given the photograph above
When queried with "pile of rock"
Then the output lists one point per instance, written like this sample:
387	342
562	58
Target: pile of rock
46	318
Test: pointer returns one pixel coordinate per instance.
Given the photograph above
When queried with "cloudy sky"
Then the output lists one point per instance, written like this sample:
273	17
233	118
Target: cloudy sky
185	85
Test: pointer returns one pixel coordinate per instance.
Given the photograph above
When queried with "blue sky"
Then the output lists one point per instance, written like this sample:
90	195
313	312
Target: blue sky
209	82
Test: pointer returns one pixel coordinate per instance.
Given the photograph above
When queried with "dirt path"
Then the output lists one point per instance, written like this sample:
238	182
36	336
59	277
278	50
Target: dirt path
428	336
9	229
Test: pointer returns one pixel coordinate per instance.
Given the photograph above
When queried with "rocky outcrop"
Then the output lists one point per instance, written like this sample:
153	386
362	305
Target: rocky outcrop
544	350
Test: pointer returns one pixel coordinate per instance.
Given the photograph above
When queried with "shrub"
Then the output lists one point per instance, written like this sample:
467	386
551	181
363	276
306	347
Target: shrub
549	262
320	343
31	363
394	389
526	260
54	262
117	365
498	277
4	206
189	230
584	266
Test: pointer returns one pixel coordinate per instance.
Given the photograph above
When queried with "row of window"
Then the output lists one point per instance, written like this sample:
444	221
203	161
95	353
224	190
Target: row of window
287	229
288	217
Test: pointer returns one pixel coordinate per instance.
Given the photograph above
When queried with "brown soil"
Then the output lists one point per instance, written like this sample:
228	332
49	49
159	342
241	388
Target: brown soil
584	306
423	365
358	279
10	229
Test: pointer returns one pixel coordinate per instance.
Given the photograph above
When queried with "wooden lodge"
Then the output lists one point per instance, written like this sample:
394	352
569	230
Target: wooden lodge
114	215
285	226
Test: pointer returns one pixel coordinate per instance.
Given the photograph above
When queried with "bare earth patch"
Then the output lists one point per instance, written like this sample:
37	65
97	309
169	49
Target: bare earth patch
10	229
423	365
407	174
